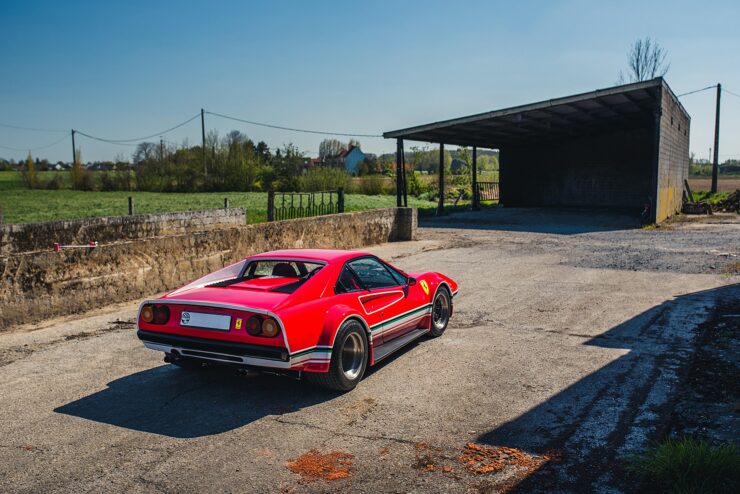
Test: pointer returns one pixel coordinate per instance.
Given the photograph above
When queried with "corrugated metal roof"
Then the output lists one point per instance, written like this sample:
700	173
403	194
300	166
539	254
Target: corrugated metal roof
628	105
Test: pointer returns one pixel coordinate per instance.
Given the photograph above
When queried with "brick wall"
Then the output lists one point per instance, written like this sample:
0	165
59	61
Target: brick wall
609	170
673	157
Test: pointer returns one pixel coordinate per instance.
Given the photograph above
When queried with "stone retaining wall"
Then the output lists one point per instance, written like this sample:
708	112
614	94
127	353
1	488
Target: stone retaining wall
31	237
38	285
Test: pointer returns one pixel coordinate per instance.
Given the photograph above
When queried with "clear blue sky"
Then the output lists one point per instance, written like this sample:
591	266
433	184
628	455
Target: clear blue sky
134	68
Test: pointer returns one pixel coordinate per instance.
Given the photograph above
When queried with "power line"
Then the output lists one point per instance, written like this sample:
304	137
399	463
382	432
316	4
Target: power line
291	129
130	144
36	148
730	92
35	129
697	90
124	141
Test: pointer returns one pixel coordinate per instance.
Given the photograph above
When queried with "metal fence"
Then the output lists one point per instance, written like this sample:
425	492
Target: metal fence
289	205
488	191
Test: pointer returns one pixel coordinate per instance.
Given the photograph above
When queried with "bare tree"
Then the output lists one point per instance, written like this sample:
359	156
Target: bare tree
330	148
145	151
645	60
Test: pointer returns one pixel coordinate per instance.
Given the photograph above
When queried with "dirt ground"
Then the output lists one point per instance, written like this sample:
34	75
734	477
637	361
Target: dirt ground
724	184
572	334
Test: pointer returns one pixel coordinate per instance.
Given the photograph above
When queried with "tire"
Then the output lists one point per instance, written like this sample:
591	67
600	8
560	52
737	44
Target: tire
441	309
349	357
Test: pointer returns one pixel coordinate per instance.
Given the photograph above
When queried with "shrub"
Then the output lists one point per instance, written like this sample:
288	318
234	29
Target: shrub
107	181
28	173
690	465
55	183
371	185
416	187
87	181
323	178
698	169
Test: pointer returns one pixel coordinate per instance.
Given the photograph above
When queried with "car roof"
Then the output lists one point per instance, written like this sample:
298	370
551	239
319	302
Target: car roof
327	255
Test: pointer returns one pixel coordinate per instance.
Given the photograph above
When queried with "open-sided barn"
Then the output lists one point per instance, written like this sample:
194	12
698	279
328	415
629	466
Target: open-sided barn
616	148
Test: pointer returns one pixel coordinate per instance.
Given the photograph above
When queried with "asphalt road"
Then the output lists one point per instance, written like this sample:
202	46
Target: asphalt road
570	333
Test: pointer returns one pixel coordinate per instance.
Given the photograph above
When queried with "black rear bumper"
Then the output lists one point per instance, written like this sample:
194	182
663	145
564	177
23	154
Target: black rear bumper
215	346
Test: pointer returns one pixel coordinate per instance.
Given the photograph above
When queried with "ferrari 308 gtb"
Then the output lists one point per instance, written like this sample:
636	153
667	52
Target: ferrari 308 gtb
325	314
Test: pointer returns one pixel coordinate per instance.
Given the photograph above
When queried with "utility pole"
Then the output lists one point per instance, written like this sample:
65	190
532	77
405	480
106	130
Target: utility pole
161	151
203	134
74	153
715	162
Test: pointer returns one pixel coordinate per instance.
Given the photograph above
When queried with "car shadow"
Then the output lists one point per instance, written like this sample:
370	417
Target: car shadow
170	401
173	402
601	417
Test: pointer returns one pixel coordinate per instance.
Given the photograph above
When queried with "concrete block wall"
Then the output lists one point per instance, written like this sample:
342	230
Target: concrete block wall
31	237
609	170
38	285
673	156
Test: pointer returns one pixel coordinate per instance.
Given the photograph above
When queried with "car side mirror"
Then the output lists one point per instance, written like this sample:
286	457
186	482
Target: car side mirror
411	281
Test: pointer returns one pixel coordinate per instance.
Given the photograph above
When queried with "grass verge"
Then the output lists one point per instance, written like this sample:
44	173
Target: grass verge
709	197
690	465
27	206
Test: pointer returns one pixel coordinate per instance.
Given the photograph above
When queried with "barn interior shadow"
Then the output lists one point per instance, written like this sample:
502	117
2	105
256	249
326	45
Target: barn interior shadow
589	419
557	221
173	402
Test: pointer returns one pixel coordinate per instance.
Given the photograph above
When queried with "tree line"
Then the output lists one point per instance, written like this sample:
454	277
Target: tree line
235	162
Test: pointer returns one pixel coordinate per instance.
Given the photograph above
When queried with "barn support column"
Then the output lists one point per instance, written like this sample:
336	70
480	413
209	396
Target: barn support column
405	177
399	172
441	204
476	199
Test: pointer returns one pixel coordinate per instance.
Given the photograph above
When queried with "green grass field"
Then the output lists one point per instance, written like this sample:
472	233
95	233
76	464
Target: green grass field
22	205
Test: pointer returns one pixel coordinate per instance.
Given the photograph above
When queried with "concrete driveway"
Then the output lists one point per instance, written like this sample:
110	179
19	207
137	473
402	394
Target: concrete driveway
570	332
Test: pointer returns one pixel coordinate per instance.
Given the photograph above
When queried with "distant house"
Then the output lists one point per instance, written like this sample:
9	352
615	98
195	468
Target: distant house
349	159
310	163
101	166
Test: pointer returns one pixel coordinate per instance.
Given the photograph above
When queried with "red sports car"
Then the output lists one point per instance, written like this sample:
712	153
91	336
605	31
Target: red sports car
325	314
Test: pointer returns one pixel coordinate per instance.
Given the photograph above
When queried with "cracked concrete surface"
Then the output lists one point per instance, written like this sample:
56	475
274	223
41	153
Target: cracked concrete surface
570	333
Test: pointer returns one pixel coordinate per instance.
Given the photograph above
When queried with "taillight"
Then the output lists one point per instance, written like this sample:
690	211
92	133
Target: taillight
267	327
161	314
147	313
254	326
270	327
152	314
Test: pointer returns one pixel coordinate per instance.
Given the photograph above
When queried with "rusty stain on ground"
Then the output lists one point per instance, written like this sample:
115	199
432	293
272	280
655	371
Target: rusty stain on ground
481	459
315	465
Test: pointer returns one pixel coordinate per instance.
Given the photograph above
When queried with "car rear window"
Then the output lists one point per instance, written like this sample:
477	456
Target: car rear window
226	274
280	269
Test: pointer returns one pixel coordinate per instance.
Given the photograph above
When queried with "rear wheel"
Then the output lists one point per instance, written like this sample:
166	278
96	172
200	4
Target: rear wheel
349	358
440	312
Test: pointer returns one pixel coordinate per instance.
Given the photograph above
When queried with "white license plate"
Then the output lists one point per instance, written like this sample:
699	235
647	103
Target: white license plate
205	321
